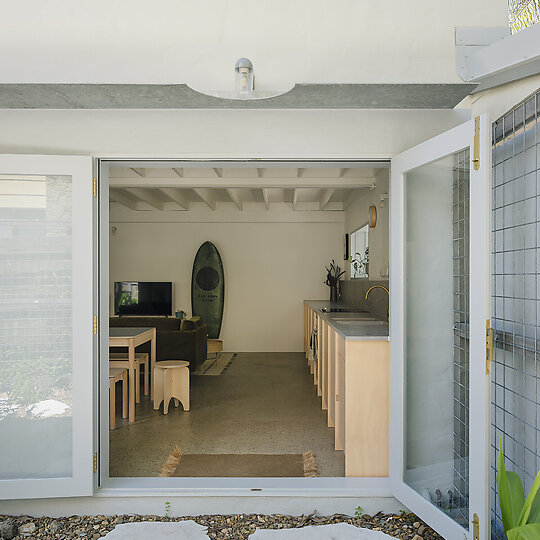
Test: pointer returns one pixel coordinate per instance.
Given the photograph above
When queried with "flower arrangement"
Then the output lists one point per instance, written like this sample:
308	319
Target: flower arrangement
360	263
333	274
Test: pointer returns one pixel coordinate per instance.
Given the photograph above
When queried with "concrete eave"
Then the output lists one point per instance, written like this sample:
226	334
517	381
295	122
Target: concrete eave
180	96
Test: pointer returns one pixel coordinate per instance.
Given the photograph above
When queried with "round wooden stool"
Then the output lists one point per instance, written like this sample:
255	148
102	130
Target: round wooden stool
117	375
171	381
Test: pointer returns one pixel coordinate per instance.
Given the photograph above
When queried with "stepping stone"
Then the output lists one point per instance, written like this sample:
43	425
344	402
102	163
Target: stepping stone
338	531
181	530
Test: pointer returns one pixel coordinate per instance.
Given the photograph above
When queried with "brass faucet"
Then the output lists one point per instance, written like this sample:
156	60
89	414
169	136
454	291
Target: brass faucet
387	292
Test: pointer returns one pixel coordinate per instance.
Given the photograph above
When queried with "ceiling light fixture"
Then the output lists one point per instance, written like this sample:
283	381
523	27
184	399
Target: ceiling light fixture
244	85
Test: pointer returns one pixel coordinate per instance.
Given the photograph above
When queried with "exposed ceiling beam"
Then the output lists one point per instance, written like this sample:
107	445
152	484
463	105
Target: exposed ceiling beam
295	198
207	197
179	171
325	198
139	172
219	172
260	172
146	195
177	196
266	199
351	198
234	194
286	183
120	196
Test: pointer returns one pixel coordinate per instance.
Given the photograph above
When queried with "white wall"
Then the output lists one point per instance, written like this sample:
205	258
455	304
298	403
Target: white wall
198	42
356	216
339	134
270	268
500	100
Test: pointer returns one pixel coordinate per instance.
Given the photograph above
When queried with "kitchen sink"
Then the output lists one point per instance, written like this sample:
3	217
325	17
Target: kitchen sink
351	322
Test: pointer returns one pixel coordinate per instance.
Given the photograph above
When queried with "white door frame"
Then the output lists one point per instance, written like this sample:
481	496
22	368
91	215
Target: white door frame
443	145
330	487
82	479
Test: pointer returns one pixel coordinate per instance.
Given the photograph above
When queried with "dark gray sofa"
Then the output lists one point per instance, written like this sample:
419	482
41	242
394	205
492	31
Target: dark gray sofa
171	342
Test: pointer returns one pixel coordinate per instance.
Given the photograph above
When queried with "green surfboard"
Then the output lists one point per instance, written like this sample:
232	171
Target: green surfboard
208	288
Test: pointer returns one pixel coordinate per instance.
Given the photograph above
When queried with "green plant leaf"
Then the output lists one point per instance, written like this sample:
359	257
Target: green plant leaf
511	495
526	510
534	516
531	531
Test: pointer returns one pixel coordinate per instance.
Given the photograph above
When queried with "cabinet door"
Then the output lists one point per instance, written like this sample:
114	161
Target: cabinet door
340	403
331	386
46	327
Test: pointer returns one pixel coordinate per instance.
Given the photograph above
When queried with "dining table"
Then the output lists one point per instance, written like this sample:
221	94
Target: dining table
131	337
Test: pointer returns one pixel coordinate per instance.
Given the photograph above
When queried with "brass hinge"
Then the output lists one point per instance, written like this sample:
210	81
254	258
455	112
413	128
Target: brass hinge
337	397
94	186
476	527
95	462
489	346
94	325
476	149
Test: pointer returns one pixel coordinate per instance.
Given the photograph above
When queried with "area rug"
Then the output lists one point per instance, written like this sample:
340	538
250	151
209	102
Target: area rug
211	367
239	465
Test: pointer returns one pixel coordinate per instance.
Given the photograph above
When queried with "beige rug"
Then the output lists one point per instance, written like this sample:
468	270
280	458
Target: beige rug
239	465
211	367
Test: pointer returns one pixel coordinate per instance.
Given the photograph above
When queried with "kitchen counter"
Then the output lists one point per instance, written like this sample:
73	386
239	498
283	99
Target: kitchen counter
351	330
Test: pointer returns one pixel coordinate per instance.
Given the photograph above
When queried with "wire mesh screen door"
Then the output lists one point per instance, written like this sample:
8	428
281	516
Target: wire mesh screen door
515	405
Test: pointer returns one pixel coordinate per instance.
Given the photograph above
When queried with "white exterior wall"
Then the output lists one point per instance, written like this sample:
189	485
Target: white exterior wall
171	41
308	134
500	100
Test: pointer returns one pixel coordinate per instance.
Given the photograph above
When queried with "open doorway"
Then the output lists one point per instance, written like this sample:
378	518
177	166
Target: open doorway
253	406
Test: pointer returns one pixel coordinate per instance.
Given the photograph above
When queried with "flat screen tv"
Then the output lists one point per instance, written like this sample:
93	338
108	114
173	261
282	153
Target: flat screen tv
143	298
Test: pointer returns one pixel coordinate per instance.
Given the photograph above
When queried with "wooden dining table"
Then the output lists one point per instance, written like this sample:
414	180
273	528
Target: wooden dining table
132	337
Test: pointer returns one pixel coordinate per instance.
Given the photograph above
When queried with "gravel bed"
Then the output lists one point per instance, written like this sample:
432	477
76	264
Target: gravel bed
237	526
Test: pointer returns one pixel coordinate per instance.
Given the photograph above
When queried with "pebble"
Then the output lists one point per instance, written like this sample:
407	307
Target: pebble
27	529
8	529
220	527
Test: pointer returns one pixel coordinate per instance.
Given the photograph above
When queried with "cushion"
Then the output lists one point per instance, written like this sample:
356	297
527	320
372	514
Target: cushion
187	324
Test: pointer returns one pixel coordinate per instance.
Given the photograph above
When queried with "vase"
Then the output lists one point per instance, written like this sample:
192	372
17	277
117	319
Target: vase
333	294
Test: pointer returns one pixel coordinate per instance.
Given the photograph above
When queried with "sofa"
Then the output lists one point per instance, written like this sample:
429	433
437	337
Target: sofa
172	341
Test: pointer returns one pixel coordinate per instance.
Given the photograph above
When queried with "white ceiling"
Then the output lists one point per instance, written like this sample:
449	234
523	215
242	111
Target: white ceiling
186	188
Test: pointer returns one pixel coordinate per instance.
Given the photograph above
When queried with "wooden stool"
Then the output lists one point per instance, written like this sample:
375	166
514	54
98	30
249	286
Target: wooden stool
171	381
116	375
120	360
214	346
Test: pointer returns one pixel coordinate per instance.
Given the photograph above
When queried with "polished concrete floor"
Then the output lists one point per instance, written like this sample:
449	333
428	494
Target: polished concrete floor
263	403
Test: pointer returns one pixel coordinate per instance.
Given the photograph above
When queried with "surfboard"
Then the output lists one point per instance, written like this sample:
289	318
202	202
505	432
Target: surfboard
208	288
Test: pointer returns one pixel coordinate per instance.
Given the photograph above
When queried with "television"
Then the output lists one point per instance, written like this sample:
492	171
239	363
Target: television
143	298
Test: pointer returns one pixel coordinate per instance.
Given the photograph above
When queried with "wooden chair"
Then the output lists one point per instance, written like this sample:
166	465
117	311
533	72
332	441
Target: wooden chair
171	381
214	346
117	375
120	360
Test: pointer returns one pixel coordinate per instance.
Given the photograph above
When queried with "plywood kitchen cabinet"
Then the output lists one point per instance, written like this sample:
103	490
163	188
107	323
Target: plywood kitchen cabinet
353	382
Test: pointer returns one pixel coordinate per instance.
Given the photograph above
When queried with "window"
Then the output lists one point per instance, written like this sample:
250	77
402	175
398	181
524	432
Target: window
360	253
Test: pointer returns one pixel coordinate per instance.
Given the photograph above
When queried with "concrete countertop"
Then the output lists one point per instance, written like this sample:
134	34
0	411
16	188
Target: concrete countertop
357	331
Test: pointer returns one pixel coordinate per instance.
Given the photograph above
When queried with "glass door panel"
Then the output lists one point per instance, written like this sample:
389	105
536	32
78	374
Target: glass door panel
439	283
437	335
45	326
36	338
